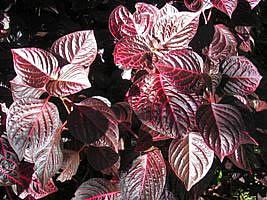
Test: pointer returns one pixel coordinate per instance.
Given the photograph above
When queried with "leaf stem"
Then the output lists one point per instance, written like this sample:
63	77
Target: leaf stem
64	100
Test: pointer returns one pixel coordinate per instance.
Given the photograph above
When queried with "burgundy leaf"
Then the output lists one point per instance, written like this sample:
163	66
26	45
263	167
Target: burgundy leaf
98	189
243	32
3	117
253	3
71	79
222	128
121	23
242	76
35	66
78	48
113	170
175	31
93	120
106	157
9	174
146	177
182	68
133	53
31	120
156	136
226	6
167	195
223	45
160	106
240	158
36	190
70	164
21	90
144	17
194	5
123	112
190	158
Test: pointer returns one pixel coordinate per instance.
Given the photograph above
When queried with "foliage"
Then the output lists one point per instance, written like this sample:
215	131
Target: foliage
187	114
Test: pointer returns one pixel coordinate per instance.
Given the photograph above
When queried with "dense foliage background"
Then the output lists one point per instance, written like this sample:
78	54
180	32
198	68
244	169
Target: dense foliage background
38	23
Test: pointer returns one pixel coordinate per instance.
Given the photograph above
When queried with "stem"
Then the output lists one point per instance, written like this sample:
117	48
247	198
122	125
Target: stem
65	99
130	130
8	193
82	148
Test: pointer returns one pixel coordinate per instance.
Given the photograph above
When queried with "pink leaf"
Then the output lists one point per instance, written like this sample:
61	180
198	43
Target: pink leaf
21	90
133	53
146	177
78	48
175	31
71	79
9	174
156	136
243	32
35	66
222	128
242	76
160	106
253	3
29	120
98	189
121	23
226	6
167	9
194	5
70	164
223	45
190	158
183	68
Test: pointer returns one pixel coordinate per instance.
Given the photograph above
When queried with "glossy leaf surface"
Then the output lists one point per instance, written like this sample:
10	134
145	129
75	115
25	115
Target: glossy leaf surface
226	6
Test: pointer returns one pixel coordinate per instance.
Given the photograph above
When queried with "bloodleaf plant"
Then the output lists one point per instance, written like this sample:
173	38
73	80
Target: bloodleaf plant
199	104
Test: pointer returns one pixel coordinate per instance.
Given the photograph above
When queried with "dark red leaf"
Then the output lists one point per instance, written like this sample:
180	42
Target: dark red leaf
194	5
71	79
78	48
123	112
242	76
240	158
222	128
9	174
182	68
243	32
31	120
106	157
98	189
223	45
253	3
35	66
160	106
146	177
156	136
226	6
190	158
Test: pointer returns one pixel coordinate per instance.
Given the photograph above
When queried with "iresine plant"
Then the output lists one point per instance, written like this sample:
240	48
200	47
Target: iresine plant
200	102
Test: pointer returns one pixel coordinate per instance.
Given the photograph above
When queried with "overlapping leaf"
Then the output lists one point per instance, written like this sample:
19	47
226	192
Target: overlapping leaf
242	76
253	3
97	189
223	45
182	68
8	164
167	9
240	158
146	177
31	120
123	112
190	158
222	128
71	79
161	106
226	6
21	90
78	48
35	66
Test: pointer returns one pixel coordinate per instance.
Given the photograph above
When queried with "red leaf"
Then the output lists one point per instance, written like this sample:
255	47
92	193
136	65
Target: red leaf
243	32
194	5
190	158
21	90
133	53
9	174
98	189
242	76
253	3
175	31
35	66
31	120
78	48
121	23
226	6
156	136
223	45
160	106
123	112
222	128
146	177
183	68
70	164
240	158
71	79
